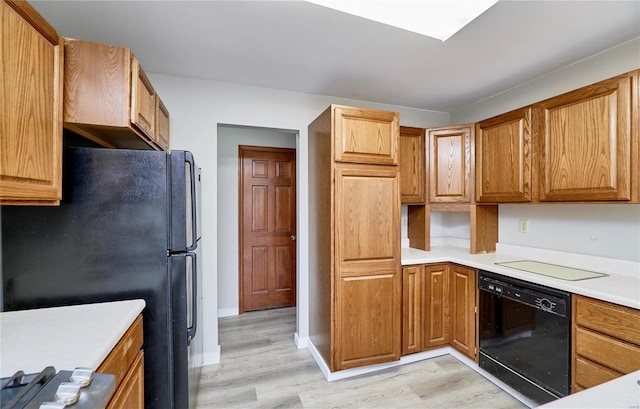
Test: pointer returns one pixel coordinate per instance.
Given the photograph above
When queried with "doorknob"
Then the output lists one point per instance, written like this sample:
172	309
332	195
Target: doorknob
293	238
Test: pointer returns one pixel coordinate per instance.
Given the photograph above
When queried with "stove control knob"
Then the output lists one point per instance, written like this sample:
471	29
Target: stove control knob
82	376
52	405
68	393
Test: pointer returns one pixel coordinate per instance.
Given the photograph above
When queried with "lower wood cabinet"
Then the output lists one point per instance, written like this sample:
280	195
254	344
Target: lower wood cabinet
606	342
439	308
126	363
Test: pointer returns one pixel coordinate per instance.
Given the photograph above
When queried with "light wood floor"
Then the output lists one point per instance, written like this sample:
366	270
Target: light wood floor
261	367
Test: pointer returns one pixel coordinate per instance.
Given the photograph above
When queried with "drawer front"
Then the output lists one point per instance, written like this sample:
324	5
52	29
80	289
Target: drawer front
590	374
610	352
119	360
615	320
130	394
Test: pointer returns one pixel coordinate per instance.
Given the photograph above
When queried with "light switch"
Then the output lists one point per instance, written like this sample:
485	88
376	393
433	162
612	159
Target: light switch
524	225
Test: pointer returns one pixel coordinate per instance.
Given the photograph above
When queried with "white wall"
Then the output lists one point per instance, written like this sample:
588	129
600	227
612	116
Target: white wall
229	138
196	108
567	227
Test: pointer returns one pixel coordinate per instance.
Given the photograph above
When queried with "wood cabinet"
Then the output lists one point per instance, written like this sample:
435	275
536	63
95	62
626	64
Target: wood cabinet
109	99
504	158
587	142
606	342
162	125
412	165
412	300
354	273
451	164
464	307
31	112
126	362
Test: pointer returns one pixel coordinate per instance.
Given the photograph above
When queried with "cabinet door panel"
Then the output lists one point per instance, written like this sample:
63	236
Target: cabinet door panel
590	374
366	136
450	164
143	100
368	210
463	303
586	143
368	327
162	125
31	91
436	306
503	158
610	352
412	285
412	165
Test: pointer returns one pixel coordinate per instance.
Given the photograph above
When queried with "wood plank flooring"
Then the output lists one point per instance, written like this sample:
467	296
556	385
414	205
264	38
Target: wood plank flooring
262	368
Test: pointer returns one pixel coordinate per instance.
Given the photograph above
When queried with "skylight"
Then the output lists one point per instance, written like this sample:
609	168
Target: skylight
433	18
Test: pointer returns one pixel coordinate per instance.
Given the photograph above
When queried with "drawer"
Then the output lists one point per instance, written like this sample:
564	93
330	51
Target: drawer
610	352
611	319
590	374
119	360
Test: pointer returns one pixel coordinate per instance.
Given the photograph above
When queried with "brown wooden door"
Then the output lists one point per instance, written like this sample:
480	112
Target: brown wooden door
463	307
412	284
450	166
267	228
412	165
435	308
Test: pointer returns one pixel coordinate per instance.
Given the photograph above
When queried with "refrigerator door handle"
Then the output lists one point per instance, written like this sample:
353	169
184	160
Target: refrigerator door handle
191	331
188	157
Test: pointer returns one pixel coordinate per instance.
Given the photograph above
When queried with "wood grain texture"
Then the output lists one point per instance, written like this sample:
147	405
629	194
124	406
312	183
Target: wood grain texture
588	373
143	101
124	353
162	134
130	394
31	95
419	226
436	300
635	136
504	158
484	228
463	310
412	165
365	135
610	319
608	351
585	143
450	164
412	321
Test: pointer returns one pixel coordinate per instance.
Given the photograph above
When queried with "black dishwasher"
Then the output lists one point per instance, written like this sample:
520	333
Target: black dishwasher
525	336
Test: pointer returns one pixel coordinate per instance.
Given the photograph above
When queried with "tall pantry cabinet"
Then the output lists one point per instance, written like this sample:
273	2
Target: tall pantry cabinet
354	216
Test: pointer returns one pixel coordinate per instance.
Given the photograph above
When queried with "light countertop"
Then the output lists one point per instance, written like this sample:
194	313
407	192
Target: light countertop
63	337
621	286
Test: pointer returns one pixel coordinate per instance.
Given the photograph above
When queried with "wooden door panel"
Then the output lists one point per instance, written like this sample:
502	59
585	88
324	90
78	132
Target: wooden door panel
586	143
368	207
436	306
463	303
368	324
503	165
412	280
412	165
366	136
450	164
268	223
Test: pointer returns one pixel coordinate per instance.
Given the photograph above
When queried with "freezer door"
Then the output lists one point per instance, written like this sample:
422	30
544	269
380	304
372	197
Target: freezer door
185	200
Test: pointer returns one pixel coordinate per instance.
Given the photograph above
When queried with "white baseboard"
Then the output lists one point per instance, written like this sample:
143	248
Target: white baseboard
228	312
210	358
301	342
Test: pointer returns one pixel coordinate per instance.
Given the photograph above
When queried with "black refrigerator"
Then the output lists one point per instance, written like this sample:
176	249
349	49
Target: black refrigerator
128	227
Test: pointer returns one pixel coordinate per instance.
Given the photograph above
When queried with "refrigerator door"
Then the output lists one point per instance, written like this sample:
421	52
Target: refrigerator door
185	194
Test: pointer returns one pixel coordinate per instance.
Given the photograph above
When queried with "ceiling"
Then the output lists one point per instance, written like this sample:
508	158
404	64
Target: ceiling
300	46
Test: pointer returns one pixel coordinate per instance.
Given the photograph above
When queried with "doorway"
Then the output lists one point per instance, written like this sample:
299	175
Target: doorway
267	226
230	137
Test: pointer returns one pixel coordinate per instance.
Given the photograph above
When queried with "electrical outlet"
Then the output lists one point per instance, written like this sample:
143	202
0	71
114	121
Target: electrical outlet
404	222
524	225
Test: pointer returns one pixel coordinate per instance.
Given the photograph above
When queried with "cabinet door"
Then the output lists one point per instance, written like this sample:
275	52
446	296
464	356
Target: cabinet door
436	306
412	285
365	135
31	112
412	165
463	310
585	143
450	153
368	308
162	125
503	158
143	100
130	393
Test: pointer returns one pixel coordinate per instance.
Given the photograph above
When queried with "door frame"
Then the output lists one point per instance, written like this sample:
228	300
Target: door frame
241	149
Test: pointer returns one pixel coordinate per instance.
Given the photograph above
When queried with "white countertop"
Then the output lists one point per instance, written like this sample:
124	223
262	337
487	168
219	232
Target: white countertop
623	392
63	337
621	286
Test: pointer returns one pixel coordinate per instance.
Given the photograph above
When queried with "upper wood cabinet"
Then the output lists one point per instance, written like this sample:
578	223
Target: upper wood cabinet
450	164
354	223
109	99
504	158
365	135
162	125
587	142
412	165
31	111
